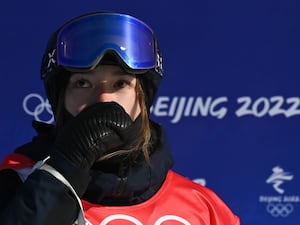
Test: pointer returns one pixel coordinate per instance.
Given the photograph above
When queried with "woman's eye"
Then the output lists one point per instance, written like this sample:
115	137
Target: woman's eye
121	84
82	83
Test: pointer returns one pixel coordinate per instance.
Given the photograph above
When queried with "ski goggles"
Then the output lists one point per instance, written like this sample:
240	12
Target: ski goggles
83	42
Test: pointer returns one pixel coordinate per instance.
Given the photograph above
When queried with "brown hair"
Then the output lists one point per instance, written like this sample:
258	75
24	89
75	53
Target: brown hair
143	136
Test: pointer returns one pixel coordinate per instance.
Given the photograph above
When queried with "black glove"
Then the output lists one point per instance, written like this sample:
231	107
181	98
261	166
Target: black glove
96	130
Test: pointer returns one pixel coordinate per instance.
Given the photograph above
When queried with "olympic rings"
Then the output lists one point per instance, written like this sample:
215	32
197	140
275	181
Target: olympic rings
280	209
135	221
38	109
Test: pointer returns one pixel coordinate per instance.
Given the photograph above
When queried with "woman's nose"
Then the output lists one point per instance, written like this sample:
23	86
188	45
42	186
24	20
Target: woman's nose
103	95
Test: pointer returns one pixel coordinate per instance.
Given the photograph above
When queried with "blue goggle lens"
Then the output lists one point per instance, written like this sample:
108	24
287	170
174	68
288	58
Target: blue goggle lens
82	42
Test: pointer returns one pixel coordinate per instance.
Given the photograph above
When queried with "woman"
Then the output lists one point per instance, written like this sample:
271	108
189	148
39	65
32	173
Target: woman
104	161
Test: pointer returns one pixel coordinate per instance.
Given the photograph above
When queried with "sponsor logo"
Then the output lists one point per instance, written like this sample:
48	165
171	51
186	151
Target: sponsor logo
38	107
51	56
280	205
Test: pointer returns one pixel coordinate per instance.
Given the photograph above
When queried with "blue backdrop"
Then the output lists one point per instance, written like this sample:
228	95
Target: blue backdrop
229	99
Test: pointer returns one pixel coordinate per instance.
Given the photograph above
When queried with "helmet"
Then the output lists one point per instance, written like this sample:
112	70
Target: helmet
85	41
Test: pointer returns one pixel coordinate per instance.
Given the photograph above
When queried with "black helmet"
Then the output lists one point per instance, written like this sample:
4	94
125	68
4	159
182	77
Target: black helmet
84	41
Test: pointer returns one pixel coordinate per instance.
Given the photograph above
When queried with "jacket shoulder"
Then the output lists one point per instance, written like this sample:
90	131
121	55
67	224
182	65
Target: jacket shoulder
16	161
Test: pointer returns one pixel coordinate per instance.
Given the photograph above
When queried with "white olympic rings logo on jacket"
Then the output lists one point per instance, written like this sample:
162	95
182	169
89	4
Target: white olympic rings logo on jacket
39	108
135	221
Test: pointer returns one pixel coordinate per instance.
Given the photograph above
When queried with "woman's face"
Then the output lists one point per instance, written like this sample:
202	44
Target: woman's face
106	83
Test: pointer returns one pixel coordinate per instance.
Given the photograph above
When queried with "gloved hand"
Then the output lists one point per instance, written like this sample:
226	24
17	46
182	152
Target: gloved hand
96	130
